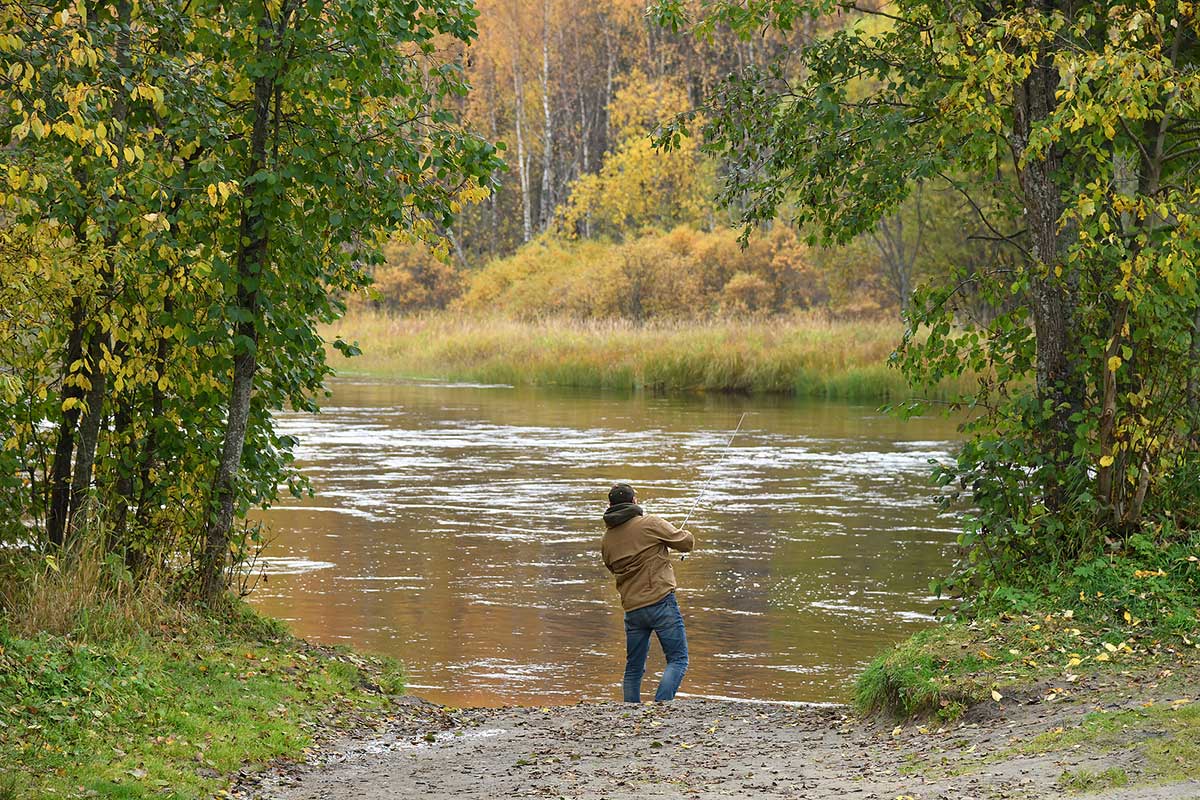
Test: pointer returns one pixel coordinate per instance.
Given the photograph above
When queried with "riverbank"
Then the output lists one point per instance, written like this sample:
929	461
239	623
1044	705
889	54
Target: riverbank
196	706
174	708
1113	736
1088	698
809	356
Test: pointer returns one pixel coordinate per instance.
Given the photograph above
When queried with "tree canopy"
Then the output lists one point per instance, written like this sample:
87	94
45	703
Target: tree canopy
1071	130
185	192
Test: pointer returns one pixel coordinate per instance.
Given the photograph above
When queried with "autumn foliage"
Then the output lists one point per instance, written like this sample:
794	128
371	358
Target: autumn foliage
682	274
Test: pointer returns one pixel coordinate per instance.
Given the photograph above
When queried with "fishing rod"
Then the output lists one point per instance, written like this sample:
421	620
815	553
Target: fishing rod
704	488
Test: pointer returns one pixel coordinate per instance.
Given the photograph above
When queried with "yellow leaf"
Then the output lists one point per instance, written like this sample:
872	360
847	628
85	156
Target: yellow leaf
1128	617
1106	461
1112	648
997	696
1114	363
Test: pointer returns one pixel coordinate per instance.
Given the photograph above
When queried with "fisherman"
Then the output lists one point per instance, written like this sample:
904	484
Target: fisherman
636	549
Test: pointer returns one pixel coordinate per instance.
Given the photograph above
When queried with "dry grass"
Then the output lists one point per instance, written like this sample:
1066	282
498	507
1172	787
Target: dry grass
83	592
807	355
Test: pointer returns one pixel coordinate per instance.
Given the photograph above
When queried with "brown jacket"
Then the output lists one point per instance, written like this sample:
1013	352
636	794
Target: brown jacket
636	552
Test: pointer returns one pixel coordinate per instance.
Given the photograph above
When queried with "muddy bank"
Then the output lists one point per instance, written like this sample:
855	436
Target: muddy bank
715	749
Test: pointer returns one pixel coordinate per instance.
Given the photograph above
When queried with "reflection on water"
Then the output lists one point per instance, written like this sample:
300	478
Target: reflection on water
458	528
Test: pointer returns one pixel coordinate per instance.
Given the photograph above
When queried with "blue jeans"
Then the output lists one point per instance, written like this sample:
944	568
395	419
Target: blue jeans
664	619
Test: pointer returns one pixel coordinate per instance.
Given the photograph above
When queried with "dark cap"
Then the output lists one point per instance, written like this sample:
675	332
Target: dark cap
620	493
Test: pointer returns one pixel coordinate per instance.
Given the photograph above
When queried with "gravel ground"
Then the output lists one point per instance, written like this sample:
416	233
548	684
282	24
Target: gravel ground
705	749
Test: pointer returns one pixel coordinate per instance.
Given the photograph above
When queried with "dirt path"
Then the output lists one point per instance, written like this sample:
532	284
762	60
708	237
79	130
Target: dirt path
702	749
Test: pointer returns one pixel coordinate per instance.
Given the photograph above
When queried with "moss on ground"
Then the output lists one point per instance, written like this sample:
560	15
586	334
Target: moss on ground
1166	736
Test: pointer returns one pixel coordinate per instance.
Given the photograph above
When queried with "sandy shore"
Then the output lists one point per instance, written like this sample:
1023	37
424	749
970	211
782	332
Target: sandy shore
706	749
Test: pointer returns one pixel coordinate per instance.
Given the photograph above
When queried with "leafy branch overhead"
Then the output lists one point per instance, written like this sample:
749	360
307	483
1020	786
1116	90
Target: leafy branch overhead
186	191
1070	129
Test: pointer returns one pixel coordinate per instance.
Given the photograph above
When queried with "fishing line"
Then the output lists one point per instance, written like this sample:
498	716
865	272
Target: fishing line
704	488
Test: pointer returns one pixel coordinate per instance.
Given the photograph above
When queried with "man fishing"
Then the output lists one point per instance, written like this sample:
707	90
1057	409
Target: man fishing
636	549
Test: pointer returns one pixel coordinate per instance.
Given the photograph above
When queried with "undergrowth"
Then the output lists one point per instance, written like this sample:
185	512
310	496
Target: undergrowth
1126	611
107	692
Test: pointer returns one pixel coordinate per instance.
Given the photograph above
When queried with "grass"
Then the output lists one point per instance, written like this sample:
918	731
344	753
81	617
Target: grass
1165	736
105	694
1085	780
1130	611
806	356
943	671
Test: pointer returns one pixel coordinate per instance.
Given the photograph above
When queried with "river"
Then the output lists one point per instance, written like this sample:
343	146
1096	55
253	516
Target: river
456	527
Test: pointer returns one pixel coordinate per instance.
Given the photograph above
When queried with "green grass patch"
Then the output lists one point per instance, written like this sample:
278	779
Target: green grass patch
1175	755
808	356
173	709
1128	612
933	672
1165	734
943	671
1085	780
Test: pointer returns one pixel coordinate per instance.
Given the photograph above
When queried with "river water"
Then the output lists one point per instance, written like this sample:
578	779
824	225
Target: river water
457	528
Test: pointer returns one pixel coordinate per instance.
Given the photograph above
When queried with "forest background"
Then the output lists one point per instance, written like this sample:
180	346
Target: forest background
592	221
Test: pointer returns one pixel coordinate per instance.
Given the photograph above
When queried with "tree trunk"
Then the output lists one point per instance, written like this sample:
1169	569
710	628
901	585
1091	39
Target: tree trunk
250	262
610	59
119	524
1108	413
60	473
1193	390
522	165
89	426
547	199
1052	303
149	453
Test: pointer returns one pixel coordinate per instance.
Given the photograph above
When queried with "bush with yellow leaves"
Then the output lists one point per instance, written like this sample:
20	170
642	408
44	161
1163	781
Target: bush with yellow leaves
412	278
681	274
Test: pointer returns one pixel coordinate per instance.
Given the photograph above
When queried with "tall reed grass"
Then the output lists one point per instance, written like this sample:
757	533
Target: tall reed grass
806	356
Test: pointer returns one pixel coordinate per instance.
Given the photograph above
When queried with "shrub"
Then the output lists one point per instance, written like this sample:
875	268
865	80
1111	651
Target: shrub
681	274
412	278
